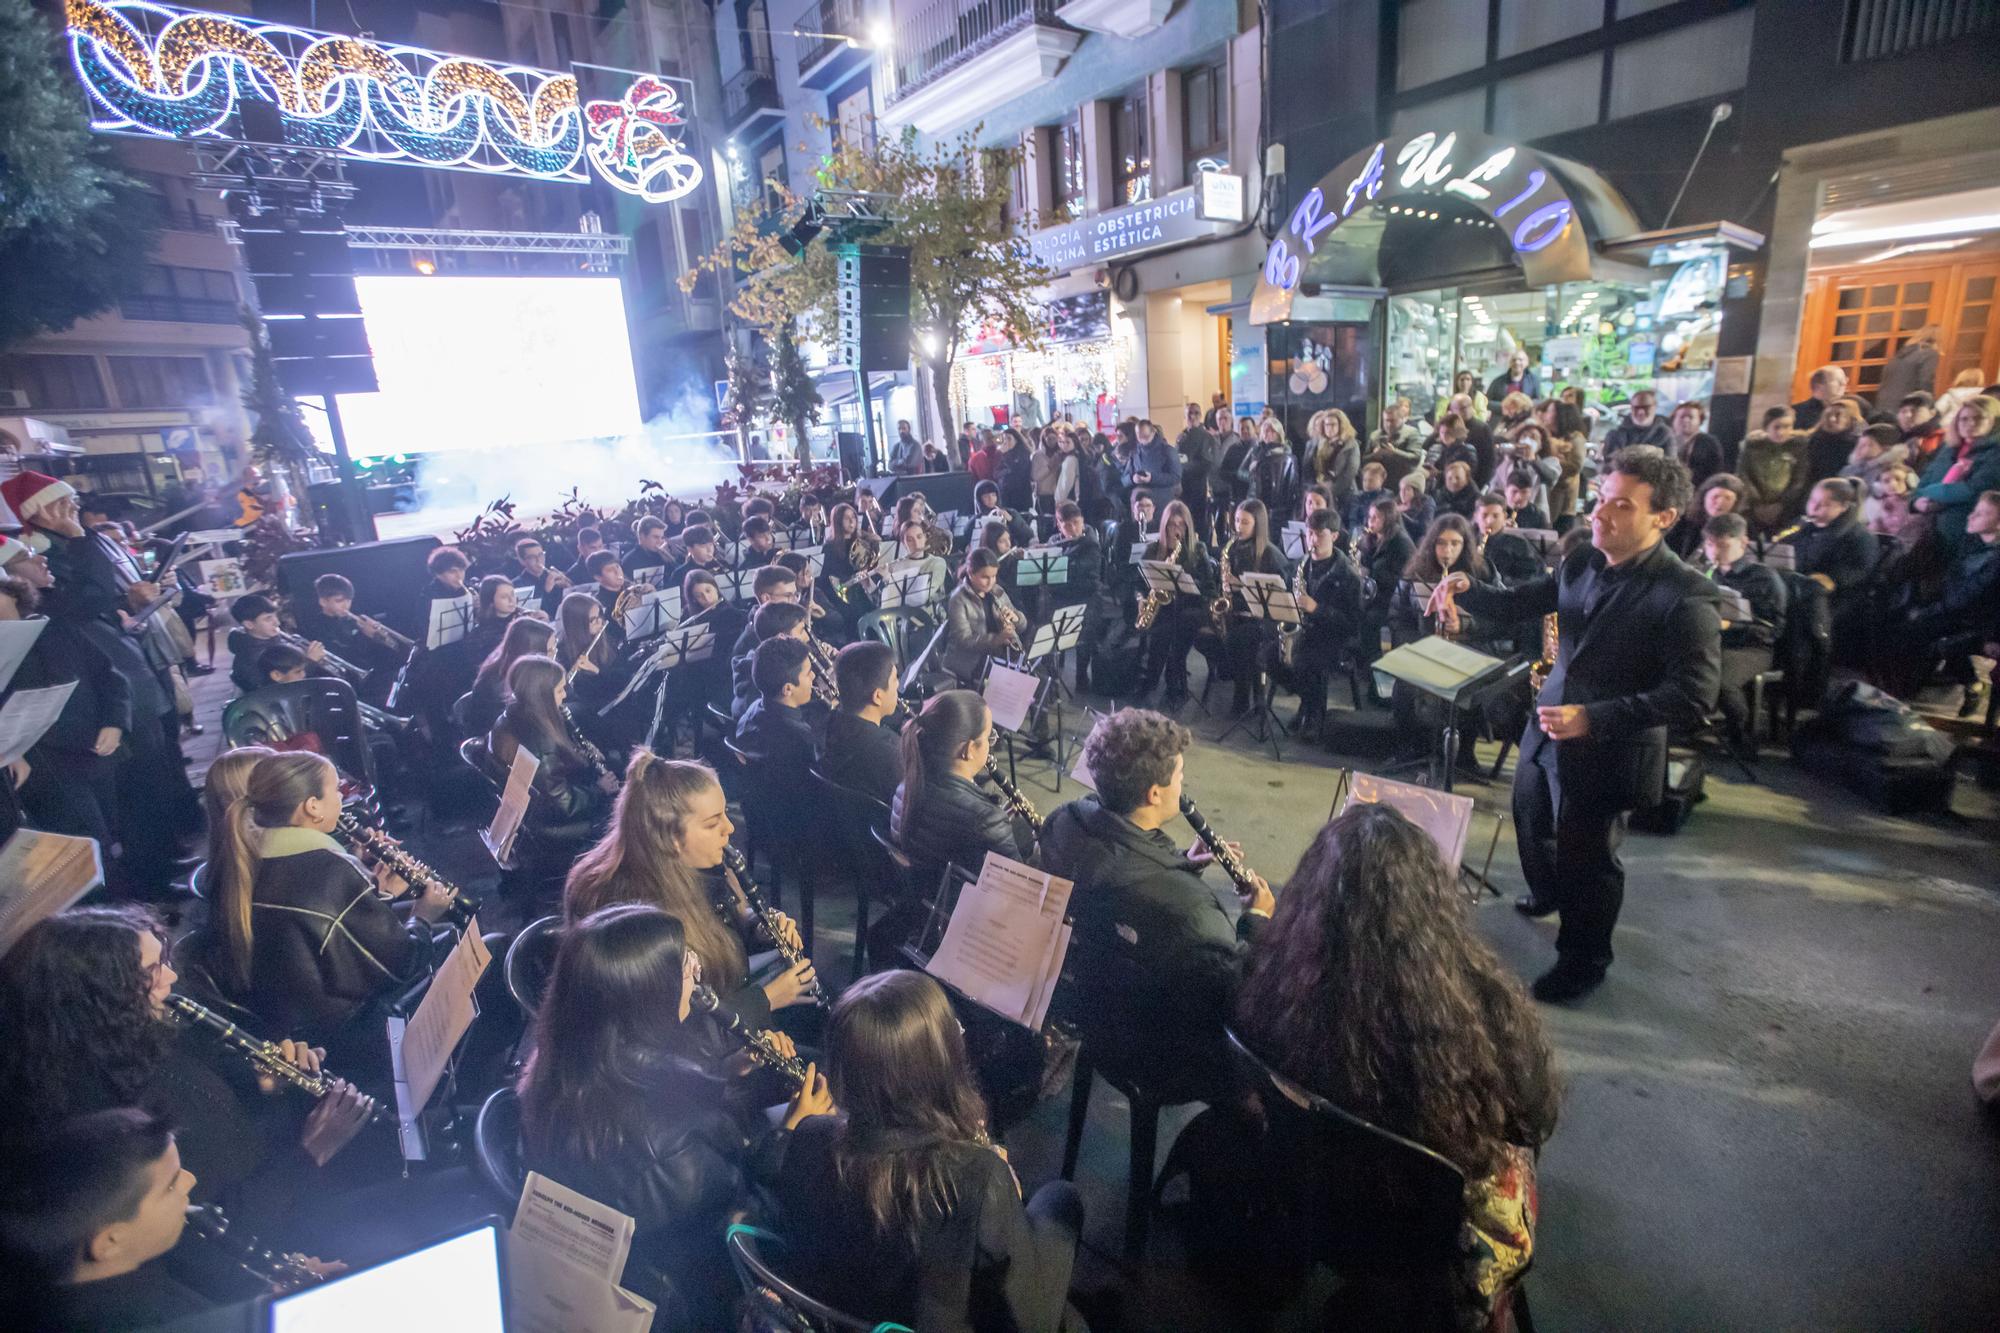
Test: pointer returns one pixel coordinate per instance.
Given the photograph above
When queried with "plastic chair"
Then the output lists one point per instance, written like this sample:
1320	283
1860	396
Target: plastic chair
1394	1238
496	1142
323	705
746	1254
530	959
849	813
1142	1149
900	627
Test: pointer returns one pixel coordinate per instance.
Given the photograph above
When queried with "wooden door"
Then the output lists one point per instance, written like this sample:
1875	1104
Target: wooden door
1859	317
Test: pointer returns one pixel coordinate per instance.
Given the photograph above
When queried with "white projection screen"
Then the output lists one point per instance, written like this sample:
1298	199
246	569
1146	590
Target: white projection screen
472	363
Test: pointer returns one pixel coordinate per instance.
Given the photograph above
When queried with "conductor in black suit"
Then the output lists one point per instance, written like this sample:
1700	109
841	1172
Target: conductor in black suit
1639	652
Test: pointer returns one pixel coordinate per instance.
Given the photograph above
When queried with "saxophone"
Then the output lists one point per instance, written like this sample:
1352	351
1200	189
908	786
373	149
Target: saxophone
1218	609
1538	674
1153	603
1288	635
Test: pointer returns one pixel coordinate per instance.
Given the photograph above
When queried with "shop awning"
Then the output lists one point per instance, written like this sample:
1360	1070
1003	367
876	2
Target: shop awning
1674	244
1440	204
837	386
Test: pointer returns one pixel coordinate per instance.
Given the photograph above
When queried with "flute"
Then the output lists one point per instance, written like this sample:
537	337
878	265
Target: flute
756	1041
383	848
263	1055
753	895
1232	864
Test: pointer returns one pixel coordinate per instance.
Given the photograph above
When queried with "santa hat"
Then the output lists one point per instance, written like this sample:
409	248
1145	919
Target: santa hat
12	550
27	493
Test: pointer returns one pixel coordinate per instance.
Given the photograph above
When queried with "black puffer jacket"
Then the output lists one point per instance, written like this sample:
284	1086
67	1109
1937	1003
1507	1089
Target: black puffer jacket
1156	959
956	822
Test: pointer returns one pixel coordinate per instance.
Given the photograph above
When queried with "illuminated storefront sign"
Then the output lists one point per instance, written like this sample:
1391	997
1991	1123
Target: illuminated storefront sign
179	74
1480	181
1122	231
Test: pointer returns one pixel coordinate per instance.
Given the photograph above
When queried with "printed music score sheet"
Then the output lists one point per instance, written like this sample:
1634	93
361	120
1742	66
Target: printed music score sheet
1446	816
424	1045
1009	694
28	716
565	1254
42	874
16	638
499	835
1435	664
1005	944
450	618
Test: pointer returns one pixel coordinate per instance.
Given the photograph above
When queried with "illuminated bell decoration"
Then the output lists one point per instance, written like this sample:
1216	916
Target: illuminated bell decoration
177	74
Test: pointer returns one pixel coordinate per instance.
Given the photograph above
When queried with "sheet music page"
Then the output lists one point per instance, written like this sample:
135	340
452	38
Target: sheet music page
499	835
1434	664
443	1016
996	949
547	1295
28	716
586	1234
1260	604
1038	1008
1009	694
1079	772
1446	816
1735	606
16	638
449	618
42	874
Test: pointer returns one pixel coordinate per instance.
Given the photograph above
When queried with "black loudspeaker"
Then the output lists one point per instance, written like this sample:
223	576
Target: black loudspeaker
872	306
305	287
389	578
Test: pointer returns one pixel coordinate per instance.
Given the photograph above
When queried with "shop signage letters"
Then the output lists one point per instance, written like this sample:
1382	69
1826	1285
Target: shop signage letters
1122	231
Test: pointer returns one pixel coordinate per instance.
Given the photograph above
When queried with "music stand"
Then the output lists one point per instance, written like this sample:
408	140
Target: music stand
910	589
1457	677
1267	598
677	647
738	585
1043	656
450	619
654	614
1294	539
1042	568
1541	540
1165	576
1780	556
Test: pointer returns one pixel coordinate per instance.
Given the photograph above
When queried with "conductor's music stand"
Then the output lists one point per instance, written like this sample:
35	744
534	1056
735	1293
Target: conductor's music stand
1267	598
1456	676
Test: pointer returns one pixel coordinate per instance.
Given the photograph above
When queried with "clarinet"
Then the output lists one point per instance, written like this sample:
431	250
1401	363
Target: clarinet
1011	794
379	845
1232	865
264	1056
585	744
281	1272
753	895
703	1000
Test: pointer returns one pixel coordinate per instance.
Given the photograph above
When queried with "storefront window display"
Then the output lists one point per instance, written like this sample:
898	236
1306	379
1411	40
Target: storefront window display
1611	338
1078	372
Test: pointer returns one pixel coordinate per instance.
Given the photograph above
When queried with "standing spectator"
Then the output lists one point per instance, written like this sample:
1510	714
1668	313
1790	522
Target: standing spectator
1695	447
1274	468
1517	378
1831	443
1921	427
1014	471
1154	467
1218	419
1773	471
1396	446
1828	384
1043	465
1069	467
1198	451
1967	464
1477	433
1515	408
1913	367
980	458
1964	386
1333	455
1642	425
906	457
1465	385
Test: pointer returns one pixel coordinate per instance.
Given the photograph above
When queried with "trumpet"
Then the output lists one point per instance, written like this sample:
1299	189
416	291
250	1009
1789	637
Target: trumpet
381	633
739	869
755	1041
1232	864
1011	794
361	838
264	1056
348	671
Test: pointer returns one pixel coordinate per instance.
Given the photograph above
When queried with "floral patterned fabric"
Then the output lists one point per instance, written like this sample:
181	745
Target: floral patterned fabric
1498	1240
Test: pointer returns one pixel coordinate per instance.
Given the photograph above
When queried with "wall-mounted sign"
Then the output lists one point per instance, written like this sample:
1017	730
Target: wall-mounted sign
1482	181
1122	232
178	74
1221	196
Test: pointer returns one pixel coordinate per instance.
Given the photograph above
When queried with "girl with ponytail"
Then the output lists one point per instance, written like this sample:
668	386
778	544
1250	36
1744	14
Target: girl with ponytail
303	936
938	815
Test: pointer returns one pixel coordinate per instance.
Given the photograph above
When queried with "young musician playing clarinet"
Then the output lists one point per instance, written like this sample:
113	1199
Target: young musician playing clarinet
1596	746
1156	958
665	848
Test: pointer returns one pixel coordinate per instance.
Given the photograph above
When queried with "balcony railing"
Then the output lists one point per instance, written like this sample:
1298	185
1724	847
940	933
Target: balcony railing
754	89
834	21
179	309
951	32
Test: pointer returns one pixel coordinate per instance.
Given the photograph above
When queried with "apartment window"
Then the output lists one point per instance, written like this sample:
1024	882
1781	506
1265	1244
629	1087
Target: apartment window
1437	39
854	121
1700	60
159	381
754	21
1457	111
55	383
1548	101
1527	24
1131	151
1071	191
771	174
1205	116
